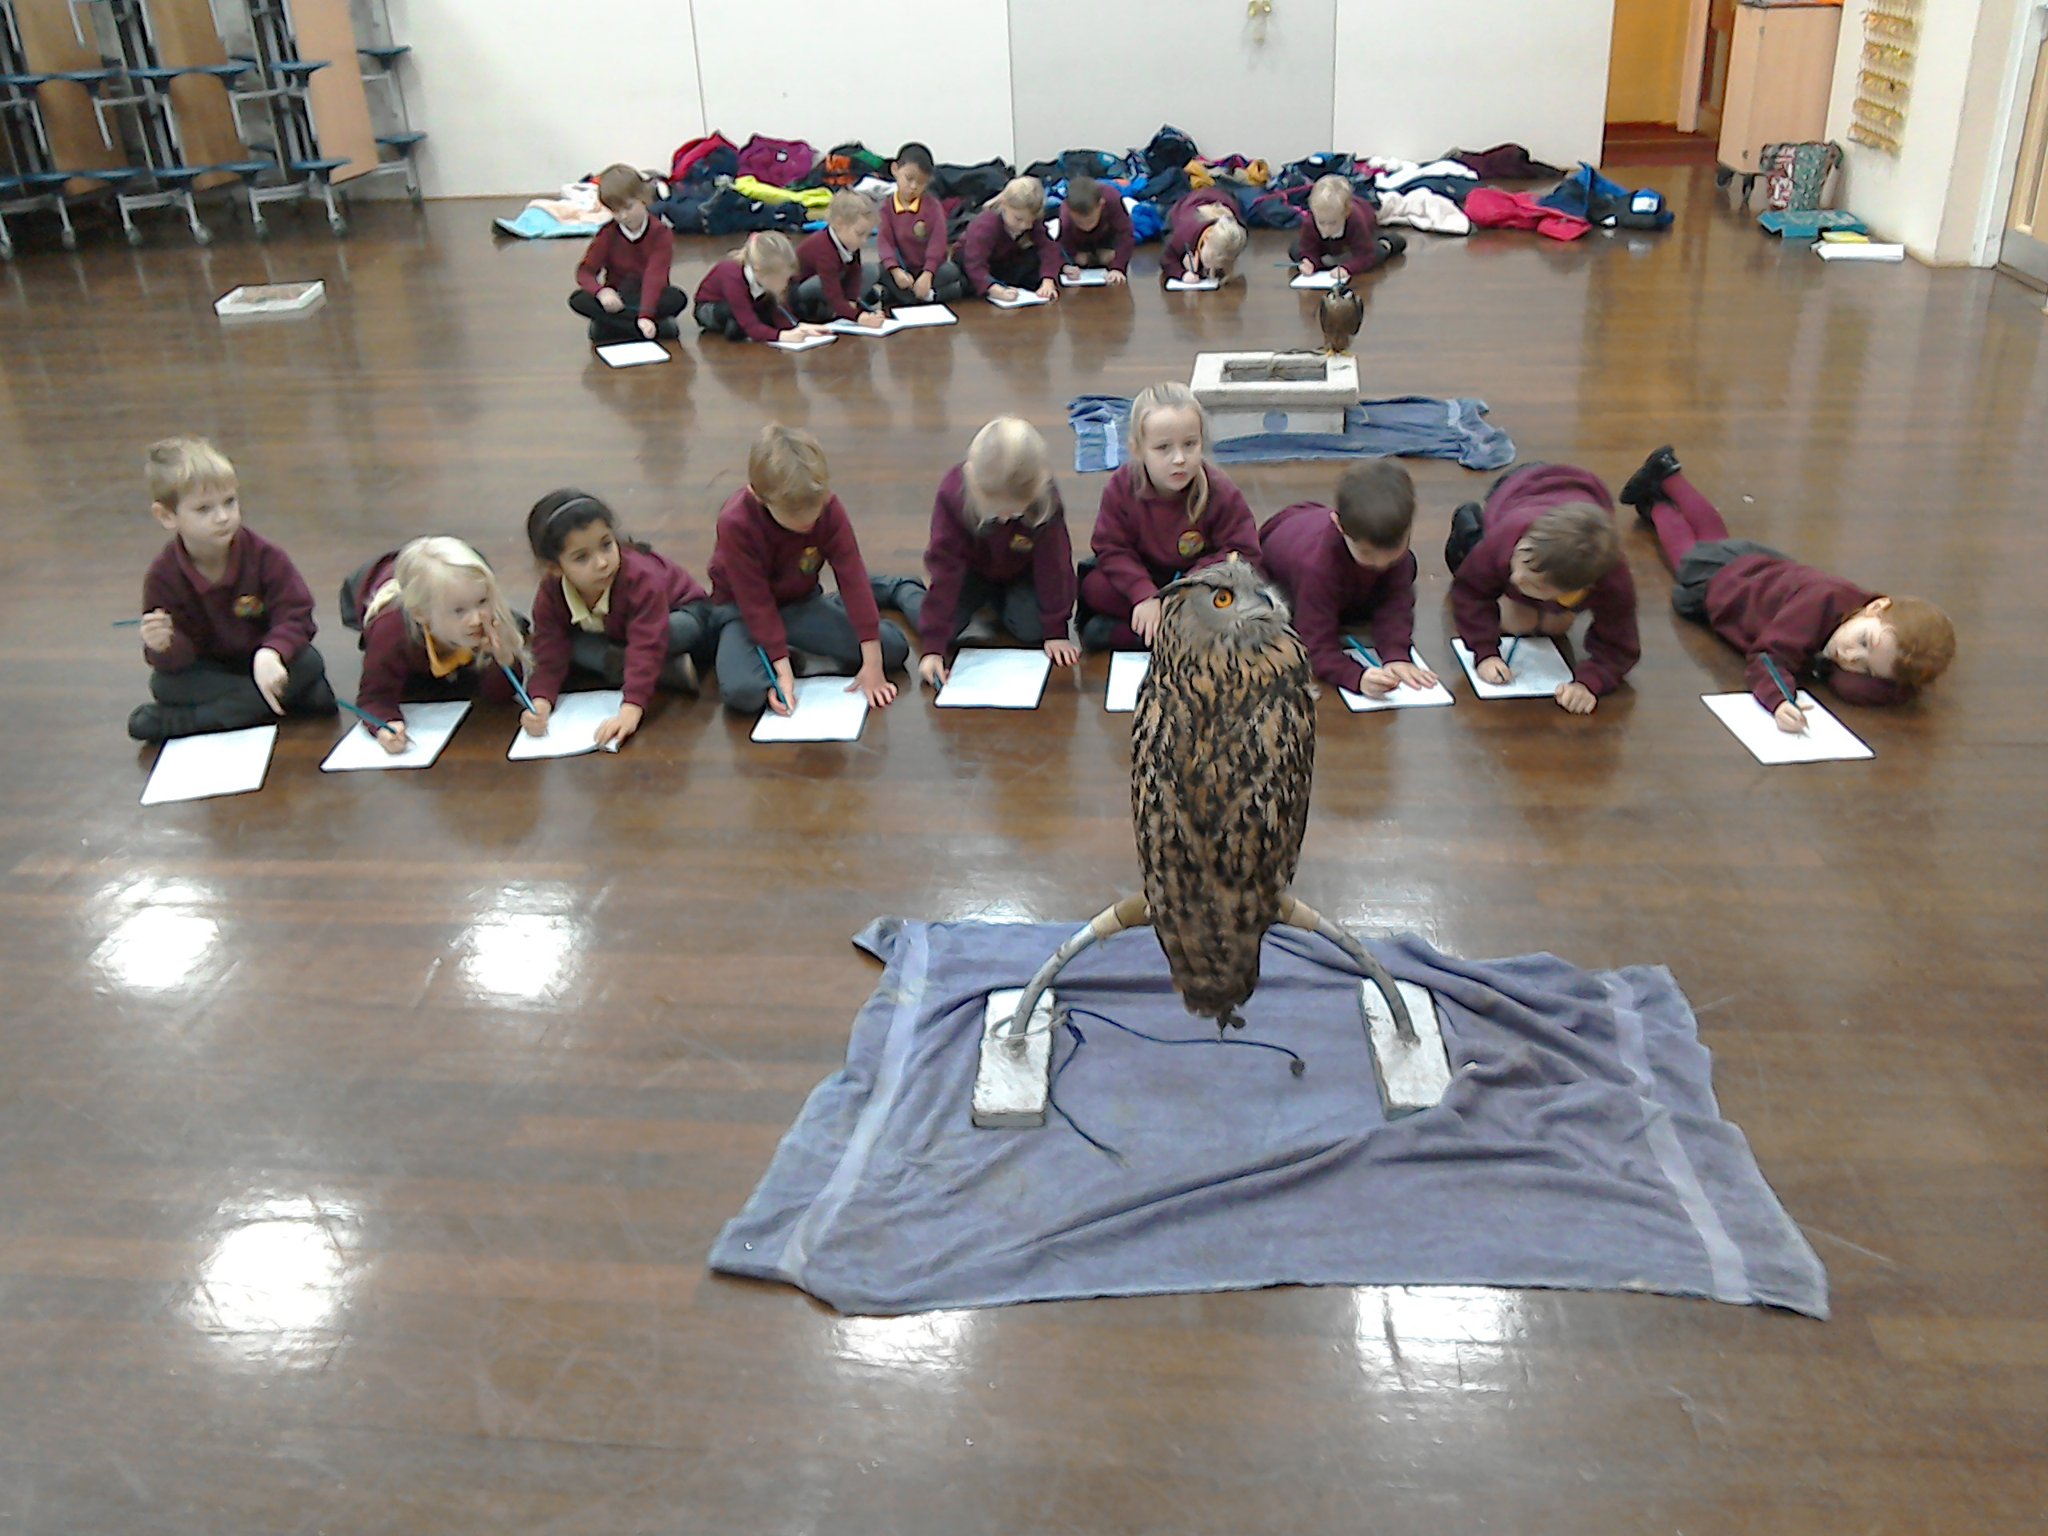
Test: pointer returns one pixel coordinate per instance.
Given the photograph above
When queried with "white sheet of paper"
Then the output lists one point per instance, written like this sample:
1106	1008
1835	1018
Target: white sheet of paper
805	344
427	729
1538	667
572	727
1401	698
826	710
1192	284
1825	739
1089	277
200	767
633	354
926	315
995	679
1314	280
1023	299
1127	670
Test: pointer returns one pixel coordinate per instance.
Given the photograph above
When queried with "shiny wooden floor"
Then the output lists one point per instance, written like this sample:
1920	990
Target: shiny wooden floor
361	1140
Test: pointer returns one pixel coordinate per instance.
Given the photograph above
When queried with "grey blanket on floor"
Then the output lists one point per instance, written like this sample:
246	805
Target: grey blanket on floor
1579	1144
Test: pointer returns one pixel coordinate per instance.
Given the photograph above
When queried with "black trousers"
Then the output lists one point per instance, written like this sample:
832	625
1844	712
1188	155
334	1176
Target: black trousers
716	315
225	698
949	286
690	633
817	626
1701	564
625	325
812	305
1015	607
1015	269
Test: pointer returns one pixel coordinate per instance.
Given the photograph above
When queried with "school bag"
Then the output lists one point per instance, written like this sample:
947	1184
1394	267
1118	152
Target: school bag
1796	175
731	212
1169	150
1588	195
847	165
779	162
973	185
703	158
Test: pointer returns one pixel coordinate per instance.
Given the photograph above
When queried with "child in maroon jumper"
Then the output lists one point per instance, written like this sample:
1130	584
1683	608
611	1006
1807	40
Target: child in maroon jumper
746	296
1542	549
227	622
999	539
1340	233
774	536
1006	249
611	606
622	283
1869	649
1168	511
831	282
435	626
1204	237
913	240
1095	230
1347	566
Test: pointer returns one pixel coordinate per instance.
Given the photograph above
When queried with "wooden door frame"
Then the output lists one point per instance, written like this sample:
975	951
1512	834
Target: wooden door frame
2028	37
1693	61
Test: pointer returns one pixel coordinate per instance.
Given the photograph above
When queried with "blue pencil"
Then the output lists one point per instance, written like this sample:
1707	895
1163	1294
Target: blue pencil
126	623
518	688
377	727
1508	656
773	681
1360	652
1778	677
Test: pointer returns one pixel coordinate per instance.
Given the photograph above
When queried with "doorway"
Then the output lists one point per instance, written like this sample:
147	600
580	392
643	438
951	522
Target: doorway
1703	75
2024	249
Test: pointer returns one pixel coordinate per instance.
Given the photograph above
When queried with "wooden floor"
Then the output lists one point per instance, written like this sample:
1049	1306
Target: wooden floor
361	1140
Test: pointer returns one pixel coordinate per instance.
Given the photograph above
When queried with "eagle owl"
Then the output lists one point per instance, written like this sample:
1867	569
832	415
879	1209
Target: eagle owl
1223	751
1341	313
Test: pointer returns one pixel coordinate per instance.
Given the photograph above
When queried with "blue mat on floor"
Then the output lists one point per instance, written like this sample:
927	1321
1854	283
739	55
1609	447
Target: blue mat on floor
1579	1145
1405	426
539	224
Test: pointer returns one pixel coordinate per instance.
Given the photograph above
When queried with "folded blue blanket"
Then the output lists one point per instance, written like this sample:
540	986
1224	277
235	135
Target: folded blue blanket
1405	426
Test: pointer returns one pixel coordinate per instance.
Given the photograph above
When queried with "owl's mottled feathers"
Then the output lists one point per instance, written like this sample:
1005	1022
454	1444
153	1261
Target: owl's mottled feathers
1340	314
1223	752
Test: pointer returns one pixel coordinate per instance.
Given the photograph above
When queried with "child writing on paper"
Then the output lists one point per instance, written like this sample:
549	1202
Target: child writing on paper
1006	249
1540	551
227	621
1870	649
1349	566
1340	233
913	239
435	626
1204	237
622	283
1095	230
831	283
999	540
1166	512
745	297
611	606
774	536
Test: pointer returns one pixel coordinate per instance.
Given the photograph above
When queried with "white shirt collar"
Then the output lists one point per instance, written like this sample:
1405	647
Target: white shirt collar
844	254
753	283
647	225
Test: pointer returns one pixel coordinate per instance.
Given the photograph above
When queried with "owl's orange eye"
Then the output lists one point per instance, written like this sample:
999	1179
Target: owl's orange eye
1225	599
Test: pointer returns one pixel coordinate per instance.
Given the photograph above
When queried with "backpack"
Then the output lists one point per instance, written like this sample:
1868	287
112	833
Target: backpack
1170	150
1796	175
845	165
973	185
779	162
731	212
693	153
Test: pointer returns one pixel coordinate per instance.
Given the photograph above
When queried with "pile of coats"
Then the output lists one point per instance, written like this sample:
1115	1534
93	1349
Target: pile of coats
717	187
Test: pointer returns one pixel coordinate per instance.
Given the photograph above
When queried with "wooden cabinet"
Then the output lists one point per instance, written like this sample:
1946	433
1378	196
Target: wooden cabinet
1780	70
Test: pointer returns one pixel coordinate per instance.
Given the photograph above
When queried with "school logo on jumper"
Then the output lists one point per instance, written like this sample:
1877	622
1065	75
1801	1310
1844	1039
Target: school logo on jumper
1191	544
811	560
921	229
249	606
1020	543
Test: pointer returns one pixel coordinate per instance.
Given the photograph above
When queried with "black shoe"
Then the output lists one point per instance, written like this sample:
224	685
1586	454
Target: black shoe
1645	487
316	700
146	722
1098	632
163	722
678	675
667	330
1392	245
599	333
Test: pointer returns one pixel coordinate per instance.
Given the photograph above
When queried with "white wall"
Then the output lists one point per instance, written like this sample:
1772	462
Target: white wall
1416	80
518	96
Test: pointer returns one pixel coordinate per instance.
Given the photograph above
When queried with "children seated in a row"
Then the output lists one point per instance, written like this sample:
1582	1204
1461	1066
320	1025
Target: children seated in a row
998	541
227	621
1782	615
622	283
1340	233
1095	230
1165	512
1006	249
914	239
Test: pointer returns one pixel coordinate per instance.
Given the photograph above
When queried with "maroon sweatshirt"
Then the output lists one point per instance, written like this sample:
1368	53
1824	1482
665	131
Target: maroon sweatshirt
1112	232
261	603
1142	541
1302	550
1766	606
762	319
1356	249
1000	552
818	256
914	239
761	567
395	659
987	240
617	262
1184	226
1612	646
646	588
